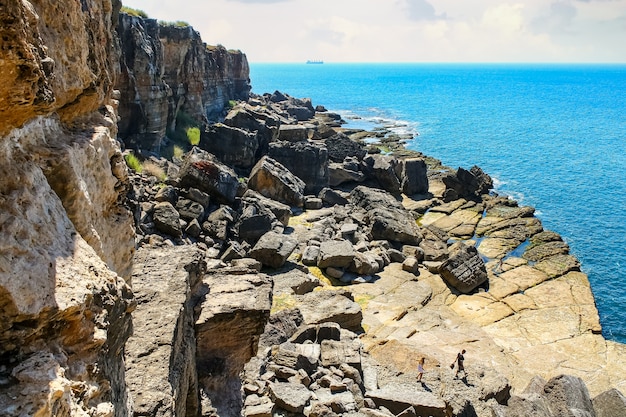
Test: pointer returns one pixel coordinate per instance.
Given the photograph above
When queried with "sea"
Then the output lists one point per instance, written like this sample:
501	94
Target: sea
552	136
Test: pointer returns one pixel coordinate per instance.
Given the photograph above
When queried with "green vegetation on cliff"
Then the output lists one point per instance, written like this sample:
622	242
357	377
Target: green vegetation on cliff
134	12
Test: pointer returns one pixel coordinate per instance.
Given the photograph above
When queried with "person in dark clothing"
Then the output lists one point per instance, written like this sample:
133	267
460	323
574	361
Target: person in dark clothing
459	363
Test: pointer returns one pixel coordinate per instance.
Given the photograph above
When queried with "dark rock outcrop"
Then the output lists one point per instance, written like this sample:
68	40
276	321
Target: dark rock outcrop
306	160
203	171
464	269
271	179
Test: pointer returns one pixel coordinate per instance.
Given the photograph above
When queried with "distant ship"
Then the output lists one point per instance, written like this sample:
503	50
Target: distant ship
315	61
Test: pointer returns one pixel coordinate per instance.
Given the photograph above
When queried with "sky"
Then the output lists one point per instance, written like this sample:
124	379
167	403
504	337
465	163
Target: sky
570	31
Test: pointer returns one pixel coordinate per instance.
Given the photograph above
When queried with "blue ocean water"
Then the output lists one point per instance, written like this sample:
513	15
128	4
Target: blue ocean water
552	136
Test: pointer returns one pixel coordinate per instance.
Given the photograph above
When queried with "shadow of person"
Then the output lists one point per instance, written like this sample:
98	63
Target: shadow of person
425	387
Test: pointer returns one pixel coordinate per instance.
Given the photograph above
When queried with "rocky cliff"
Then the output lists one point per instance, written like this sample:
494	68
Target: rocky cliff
67	237
166	70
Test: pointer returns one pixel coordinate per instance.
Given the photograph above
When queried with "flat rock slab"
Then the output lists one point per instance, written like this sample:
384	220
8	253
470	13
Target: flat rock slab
330	306
290	397
398	398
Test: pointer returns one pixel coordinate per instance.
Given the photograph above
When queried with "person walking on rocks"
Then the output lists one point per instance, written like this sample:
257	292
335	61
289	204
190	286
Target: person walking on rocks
459	363
420	369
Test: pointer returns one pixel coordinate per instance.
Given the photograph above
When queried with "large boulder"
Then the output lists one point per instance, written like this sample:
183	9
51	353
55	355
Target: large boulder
233	146
397	398
161	354
386	217
464	269
265	125
336	254
412	173
273	249
229	323
293	133
383	169
341	146
331	306
257	216
306	160
466	184
166	219
610	403
203	171
290	397
271	179
568	396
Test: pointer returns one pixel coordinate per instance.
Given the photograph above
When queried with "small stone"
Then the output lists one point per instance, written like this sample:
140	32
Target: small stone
334	272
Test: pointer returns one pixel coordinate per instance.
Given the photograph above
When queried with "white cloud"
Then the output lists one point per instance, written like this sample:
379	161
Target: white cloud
407	30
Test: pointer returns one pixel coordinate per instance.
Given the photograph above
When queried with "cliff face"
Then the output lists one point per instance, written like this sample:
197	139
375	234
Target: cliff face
67	239
167	69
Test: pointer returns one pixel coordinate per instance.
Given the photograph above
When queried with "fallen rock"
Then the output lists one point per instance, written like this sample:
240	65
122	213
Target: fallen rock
386	217
568	395
273	249
160	355
610	403
232	145
331	306
166	219
398	398
203	171
273	180
335	253
306	160
290	397
464	269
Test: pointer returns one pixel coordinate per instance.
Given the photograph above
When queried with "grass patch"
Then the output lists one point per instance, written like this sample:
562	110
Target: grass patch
177	23
133	163
155	170
177	152
133	12
193	135
231	104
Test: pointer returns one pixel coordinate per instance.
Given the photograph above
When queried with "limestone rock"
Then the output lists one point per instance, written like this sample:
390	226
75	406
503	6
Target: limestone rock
412	175
568	395
399	398
290	397
610	403
330	306
167	219
144	95
383	168
161	354
335	253
306	160
201	170
341	146
232	145
273	180
273	249
231	319
464	269
387	219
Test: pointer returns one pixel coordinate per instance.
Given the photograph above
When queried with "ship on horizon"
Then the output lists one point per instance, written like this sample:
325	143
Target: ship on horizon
315	61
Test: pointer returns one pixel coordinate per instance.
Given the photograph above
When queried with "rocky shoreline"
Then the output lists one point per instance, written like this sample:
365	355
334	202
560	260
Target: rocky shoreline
279	265
377	260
